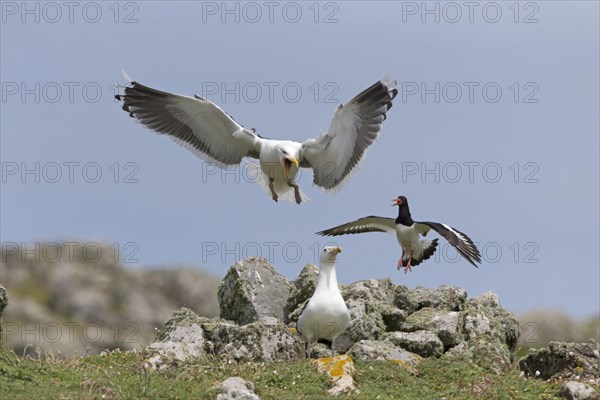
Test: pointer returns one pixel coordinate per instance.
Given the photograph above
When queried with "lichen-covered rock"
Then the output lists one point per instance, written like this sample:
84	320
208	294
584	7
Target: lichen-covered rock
365	300
485	316
266	340
182	337
424	343
251	290
320	350
573	390
405	299
444	297
302	289
490	353
381	351
445	324
563	360
491	332
187	336
393	318
340	369
237	388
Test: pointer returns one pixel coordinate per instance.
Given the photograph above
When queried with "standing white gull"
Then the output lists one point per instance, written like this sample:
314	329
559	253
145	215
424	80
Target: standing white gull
407	231
205	129
324	315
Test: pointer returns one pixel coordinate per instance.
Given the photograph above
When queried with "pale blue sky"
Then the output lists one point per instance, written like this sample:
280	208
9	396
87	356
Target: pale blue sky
546	224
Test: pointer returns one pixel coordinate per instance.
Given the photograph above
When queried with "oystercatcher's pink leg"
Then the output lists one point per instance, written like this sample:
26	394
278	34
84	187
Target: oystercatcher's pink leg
400	261
408	268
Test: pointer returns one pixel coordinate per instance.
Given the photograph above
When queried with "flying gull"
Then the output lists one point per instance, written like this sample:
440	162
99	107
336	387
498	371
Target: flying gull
324	315
204	128
407	231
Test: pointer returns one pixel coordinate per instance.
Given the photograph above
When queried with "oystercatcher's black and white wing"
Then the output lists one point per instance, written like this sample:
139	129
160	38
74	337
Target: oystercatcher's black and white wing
336	154
206	130
362	225
461	242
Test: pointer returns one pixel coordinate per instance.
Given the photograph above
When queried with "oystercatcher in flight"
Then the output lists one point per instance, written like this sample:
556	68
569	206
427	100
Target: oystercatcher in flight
414	250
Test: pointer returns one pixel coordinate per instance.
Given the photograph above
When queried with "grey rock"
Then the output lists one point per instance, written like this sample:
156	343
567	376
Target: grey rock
366	300
252	289
491	332
302	289
405	299
237	388
443	297
423	343
320	350
393	318
187	336
573	390
382	350
564	360
182	337
485	316
445	324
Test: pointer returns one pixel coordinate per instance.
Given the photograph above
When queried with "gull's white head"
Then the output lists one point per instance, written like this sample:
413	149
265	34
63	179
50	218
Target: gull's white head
329	254
288	158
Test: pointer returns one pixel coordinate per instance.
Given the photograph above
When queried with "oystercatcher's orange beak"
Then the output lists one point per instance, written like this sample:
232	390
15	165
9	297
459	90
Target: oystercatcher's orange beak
397	202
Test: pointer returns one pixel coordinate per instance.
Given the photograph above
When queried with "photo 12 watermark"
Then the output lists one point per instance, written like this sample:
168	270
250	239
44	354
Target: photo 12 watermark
53	12
253	12
69	172
488	92
526	252
270	92
470	172
289	252
58	92
37	333
89	252
470	12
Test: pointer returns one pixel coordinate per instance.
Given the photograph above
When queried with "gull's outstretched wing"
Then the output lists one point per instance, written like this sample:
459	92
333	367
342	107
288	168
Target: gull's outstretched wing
195	123
366	224
337	153
463	244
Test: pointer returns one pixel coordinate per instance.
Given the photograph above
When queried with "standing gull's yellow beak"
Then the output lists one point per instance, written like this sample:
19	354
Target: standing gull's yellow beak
336	250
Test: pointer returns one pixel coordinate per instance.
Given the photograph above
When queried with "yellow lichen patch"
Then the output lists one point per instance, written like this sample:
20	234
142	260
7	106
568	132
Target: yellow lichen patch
340	369
293	330
410	367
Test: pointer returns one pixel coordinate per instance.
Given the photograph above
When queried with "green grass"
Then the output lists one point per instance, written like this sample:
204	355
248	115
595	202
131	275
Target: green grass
119	375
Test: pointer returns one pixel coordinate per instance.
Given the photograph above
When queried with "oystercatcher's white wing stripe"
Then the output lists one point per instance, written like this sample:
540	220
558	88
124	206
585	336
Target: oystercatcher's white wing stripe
463	244
195	123
366	224
337	153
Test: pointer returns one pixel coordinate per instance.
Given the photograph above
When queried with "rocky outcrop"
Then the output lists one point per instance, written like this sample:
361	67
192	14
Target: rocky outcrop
388	322
73	304
491	333
187	337
383	351
573	390
563	360
251	290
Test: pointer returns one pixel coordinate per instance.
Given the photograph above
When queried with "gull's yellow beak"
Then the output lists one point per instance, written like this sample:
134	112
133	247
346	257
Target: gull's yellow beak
287	163
336	250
